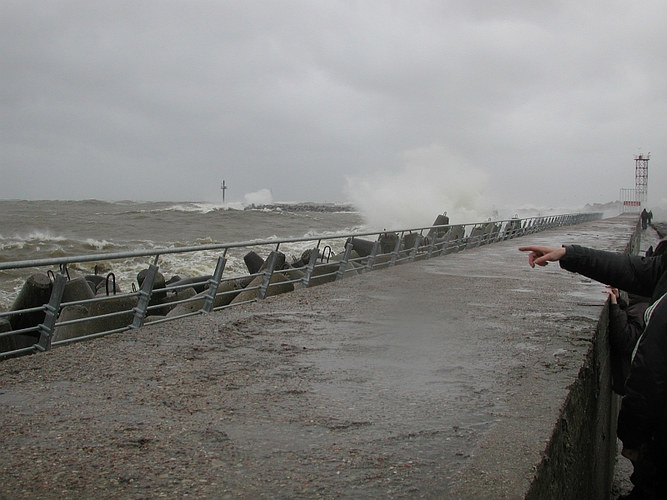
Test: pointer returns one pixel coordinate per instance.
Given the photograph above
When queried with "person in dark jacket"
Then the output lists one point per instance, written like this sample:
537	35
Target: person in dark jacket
642	421
626	324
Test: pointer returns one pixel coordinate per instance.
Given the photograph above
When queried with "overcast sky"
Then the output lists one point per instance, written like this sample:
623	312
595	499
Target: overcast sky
513	103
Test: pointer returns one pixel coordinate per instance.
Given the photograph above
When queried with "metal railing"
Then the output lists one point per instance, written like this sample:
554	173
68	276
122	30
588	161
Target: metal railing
70	316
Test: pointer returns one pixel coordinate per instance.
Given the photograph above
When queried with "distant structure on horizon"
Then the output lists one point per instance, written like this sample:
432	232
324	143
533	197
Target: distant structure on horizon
223	188
633	199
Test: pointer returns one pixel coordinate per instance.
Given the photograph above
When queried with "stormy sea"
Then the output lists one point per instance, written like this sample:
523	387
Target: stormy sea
46	229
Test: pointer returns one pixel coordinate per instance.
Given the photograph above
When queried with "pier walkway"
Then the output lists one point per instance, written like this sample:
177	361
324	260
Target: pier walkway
469	375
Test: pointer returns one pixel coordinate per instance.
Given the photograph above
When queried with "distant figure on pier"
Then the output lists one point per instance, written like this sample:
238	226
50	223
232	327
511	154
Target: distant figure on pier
644	217
445	218
641	421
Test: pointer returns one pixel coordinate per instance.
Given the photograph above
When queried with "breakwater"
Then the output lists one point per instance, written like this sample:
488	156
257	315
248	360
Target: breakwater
303	207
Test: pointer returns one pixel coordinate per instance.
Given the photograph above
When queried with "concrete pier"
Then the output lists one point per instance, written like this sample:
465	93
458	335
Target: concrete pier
469	375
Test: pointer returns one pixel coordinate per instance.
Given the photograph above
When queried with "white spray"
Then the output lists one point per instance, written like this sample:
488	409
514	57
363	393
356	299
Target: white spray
432	181
261	197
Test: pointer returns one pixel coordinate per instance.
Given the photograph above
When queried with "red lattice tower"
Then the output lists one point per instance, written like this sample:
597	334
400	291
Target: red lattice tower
641	177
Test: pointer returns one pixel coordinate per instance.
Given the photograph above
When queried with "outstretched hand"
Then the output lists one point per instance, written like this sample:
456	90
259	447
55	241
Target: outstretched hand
541	255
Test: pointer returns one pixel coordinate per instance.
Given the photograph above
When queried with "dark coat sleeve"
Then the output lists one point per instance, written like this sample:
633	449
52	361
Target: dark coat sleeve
643	406
632	273
618	324
626	326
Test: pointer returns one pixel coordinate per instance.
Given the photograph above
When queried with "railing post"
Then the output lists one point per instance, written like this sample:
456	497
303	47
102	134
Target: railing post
144	297
52	309
413	253
371	257
268	272
314	253
214	283
397	249
431	245
343	263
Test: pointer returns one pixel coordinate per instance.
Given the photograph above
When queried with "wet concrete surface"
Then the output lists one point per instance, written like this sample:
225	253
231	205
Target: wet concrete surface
441	378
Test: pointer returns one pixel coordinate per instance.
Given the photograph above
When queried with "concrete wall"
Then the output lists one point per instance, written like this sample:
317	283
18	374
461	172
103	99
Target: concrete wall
581	454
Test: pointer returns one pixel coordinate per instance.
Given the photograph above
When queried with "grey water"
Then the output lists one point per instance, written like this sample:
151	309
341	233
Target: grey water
46	229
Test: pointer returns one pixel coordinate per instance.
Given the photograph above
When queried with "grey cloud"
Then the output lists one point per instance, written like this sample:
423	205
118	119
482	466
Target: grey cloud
106	98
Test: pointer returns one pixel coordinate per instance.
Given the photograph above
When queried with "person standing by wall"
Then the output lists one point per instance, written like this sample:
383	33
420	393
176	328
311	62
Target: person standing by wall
626	324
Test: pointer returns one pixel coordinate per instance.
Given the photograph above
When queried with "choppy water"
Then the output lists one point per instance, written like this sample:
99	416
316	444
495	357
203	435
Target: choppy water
44	229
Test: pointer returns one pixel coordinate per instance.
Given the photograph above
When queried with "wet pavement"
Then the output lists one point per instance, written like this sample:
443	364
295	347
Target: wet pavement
440	378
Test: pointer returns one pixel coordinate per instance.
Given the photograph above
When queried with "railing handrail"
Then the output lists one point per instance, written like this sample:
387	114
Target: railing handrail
141	304
22	264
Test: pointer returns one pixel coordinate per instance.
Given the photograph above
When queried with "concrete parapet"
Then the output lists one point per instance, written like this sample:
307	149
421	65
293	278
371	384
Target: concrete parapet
278	283
7	342
35	293
581	453
226	292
